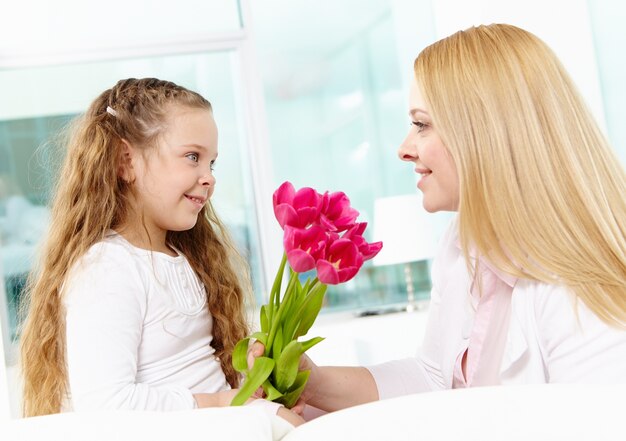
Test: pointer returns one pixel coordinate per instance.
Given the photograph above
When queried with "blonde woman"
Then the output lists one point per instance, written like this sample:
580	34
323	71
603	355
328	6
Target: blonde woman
529	285
137	303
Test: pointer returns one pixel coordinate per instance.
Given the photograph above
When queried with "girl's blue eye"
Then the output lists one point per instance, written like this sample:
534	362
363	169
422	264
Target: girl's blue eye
193	156
212	165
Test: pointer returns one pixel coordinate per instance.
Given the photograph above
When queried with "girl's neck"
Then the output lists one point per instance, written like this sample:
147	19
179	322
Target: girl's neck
140	238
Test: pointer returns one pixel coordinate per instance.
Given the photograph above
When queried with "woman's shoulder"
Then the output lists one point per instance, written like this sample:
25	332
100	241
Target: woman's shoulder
556	310
543	300
575	344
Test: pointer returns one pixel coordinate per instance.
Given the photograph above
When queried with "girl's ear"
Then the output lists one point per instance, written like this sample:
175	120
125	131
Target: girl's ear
125	169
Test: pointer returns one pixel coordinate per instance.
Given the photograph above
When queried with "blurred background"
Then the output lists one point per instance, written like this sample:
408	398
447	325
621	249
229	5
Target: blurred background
310	92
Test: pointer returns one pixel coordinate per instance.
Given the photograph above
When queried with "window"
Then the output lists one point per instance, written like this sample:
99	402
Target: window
56	95
336	109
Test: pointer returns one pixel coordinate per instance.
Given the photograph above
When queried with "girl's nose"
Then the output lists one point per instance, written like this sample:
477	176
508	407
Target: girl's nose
208	179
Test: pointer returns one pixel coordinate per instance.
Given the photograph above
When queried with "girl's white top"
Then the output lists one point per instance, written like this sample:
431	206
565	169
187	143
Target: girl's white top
138	329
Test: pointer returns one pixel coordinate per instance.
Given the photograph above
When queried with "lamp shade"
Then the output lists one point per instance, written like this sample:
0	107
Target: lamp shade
405	228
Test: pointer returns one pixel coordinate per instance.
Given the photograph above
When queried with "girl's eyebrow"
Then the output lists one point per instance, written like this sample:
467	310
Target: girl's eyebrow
198	146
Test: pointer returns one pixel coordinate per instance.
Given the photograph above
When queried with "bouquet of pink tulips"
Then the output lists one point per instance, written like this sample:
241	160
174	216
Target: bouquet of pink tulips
321	233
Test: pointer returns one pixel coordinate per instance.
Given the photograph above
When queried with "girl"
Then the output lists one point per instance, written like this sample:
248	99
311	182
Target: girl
529	285
136	304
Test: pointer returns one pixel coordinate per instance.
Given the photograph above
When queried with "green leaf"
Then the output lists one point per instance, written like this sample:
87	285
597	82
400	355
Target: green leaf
265	326
277	347
306	345
271	393
290	398
260	336
275	292
277	317
291	317
240	355
310	309
287	365
262	369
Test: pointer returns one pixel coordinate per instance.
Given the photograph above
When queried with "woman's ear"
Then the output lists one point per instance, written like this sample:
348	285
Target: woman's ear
125	169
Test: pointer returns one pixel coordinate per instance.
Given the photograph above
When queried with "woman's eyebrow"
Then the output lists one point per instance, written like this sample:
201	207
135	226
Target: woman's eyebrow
415	111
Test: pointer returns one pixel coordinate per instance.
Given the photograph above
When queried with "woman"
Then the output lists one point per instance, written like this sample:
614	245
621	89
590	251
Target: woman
529	285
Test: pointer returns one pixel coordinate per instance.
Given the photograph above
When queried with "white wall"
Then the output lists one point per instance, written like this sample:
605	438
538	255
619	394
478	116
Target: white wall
563	24
43	29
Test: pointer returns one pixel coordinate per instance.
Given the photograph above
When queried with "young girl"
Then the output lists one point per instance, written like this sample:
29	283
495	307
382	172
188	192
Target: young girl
137	303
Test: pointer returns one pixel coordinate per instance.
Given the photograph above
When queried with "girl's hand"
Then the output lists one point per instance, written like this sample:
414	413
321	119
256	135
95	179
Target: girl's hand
217	399
290	416
223	399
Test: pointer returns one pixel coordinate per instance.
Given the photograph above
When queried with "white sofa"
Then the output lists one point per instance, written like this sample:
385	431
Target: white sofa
537	413
520	413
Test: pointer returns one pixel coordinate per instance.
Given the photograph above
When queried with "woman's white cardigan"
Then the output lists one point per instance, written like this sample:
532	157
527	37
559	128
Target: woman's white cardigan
552	337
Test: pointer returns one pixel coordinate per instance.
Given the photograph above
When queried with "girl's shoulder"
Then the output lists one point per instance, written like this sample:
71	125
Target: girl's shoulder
111	258
111	250
109	266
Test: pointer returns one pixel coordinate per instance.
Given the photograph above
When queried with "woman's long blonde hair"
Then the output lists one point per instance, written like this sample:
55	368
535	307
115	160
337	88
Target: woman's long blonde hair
541	192
90	199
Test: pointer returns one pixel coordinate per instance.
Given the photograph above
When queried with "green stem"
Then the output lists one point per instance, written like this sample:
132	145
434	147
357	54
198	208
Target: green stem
312	285
275	293
276	321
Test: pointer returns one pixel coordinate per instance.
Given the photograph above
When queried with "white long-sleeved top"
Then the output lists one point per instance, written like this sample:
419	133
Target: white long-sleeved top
551	337
138	331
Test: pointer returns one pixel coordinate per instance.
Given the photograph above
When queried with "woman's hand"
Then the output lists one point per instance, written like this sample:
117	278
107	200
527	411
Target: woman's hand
329	388
257	349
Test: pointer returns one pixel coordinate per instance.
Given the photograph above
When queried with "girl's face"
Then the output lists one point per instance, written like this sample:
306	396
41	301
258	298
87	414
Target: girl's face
175	180
422	146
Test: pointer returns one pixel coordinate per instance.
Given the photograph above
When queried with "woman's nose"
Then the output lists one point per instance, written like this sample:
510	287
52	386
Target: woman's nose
407	150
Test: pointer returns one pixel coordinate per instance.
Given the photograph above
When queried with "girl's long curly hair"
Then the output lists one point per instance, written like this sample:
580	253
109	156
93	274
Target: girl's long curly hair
90	199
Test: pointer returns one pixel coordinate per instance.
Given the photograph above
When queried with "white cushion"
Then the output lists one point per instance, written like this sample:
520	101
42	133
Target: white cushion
236	423
538	413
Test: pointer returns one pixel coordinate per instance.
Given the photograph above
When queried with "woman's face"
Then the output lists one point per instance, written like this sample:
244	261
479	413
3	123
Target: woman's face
422	146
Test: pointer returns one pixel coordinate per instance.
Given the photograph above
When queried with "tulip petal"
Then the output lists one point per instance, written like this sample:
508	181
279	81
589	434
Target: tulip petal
370	250
284	194
337	214
285	215
327	273
300	261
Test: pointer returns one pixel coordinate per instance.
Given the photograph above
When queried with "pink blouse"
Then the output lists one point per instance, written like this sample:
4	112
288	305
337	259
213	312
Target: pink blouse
478	364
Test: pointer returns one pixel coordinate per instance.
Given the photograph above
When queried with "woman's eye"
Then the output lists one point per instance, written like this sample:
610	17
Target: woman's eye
420	125
212	165
193	156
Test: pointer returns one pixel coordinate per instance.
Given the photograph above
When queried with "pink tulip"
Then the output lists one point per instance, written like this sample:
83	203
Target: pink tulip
341	263
355	234
337	214
296	208
304	247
